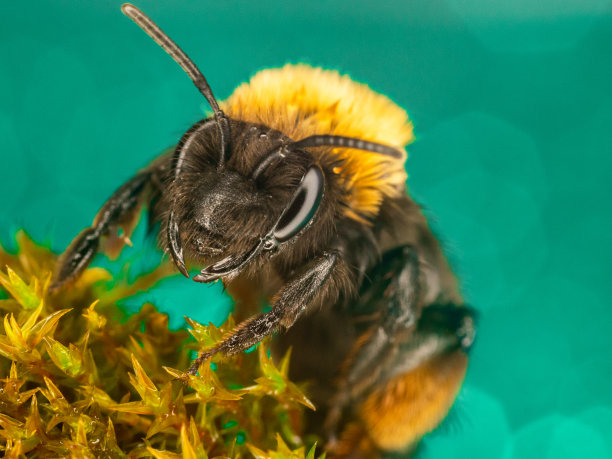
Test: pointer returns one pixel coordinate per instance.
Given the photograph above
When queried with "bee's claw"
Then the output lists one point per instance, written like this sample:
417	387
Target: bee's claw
184	380
195	366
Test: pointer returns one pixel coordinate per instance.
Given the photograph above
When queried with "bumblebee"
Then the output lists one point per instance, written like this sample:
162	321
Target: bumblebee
294	193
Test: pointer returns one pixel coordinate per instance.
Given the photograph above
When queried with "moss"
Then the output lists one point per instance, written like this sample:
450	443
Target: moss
82	378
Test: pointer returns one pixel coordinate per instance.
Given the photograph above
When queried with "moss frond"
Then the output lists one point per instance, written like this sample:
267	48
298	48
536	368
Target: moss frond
82	378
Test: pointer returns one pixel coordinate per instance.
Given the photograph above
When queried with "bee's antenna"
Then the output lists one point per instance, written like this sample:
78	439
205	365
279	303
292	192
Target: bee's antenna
346	142
187	65
175	246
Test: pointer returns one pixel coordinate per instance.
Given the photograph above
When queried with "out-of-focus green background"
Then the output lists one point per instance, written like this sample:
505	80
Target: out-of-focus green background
512	107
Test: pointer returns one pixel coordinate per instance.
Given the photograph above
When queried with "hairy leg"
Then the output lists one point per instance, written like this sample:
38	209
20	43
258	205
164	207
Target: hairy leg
402	344
294	299
413	394
120	208
392	292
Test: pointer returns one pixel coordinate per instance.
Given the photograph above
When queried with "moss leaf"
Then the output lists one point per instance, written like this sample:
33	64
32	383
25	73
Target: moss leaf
26	295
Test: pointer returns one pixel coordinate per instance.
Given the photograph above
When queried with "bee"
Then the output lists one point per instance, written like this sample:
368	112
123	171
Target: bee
294	192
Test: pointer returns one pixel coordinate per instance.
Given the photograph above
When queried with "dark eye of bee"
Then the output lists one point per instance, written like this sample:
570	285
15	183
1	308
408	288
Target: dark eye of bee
303	206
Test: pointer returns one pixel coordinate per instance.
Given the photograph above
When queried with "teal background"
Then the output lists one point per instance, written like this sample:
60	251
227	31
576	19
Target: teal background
512	106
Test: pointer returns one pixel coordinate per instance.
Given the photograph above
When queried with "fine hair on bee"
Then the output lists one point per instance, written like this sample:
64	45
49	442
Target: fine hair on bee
293	192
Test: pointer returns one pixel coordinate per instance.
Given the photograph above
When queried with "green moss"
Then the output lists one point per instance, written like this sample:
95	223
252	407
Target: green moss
80	378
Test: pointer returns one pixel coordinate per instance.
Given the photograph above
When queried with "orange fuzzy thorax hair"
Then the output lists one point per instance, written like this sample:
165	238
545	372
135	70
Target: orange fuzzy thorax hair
300	101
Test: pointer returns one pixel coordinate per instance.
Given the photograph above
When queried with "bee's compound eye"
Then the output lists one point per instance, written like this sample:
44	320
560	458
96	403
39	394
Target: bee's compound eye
303	205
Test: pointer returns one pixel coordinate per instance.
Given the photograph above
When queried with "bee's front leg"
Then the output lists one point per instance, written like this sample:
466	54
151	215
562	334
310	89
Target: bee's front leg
120	208
312	282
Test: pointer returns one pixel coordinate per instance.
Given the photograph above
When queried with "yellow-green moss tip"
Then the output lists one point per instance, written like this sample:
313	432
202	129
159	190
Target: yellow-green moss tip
80	378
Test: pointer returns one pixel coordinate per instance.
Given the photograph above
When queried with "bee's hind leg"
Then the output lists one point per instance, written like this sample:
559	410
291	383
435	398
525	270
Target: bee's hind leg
416	392
121	207
393	292
411	355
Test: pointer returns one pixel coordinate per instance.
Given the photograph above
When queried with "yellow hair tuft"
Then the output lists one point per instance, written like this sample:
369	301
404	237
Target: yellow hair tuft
300	101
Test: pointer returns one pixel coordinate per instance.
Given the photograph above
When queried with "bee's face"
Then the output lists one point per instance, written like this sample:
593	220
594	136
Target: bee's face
228	211
224	212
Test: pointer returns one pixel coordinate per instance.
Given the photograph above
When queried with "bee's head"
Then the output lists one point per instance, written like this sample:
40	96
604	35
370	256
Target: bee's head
238	190
259	199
